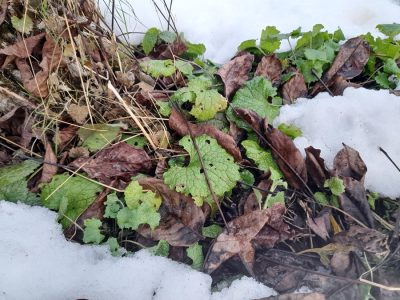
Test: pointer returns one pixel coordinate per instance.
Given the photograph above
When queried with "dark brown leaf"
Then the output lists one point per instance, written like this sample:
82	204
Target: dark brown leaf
294	88
348	163
181	219
65	135
3	10
251	203
17	126
342	264
117	161
316	168
339	84
49	165
252	118
178	123
235	72
321	224
237	238
270	67
170	51
364	239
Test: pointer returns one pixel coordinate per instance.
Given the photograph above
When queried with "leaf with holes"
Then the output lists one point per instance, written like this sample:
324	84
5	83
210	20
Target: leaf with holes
221	170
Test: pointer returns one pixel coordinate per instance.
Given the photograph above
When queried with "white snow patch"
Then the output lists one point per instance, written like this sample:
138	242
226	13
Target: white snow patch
222	25
38	263
363	119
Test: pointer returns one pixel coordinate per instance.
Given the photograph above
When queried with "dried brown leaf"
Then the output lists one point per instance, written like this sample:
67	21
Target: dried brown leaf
78	113
316	168
171	51
3	10
181	219
320	225
17	126
178	123
235	72
348	163
339	84
50	160
117	161
294	88
251	203
238	236
270	67
65	135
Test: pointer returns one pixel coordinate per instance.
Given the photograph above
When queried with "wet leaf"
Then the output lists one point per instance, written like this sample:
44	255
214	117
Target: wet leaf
235	72
270	67
348	163
117	161
178	123
238	240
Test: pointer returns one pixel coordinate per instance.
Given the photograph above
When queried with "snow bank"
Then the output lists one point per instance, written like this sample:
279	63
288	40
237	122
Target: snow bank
38	263
222	25
363	119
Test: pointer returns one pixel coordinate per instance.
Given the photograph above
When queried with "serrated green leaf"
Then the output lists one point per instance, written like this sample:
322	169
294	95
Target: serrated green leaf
391	67
184	67
78	193
248	44
195	252
164	108
157	68
262	158
23	25
167	36
161	249
338	35
92	233
321	198
114	247
136	197
221	169
97	136
383	80
309	67
254	95
132	218
194	50
206	101
290	130
270	40
212	231
13	183
112	206
336	185
390	30
150	40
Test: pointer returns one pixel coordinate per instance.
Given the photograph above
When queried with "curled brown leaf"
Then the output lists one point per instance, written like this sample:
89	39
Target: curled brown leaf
348	163
270	67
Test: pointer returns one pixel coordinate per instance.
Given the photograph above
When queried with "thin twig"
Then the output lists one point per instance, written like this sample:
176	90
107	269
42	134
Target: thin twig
389	158
322	82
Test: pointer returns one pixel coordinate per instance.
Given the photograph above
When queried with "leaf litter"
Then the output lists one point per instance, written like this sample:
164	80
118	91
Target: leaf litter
165	198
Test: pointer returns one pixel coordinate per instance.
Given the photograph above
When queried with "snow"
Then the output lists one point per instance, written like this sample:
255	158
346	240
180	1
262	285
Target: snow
38	263
222	25
363	119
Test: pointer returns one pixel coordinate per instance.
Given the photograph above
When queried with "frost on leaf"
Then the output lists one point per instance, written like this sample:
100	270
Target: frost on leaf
258	95
69	195
221	170
142	207
206	101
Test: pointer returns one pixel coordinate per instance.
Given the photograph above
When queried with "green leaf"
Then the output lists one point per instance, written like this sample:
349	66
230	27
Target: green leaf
248	44
221	169
390	30
184	67
167	36
372	197
338	35
255	95
336	185
195	252
270	40
391	67
194	50
161	249
321	198
112	206
97	136
132	218
308	66
206	101
23	25
76	193
135	197
92	233
262	158
212	231
247	177
137	141
291	130
157	68
383	80
164	107
13	183
279	197
114	247
150	40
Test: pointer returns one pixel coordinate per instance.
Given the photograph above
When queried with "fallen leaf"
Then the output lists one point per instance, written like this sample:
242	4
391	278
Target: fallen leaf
316	168
171	51
3	10
181	219
339	84
50	160
17	126
78	152
321	224
78	113
251	203
117	161
65	135
183	127
294	88
348	163
364	239
237	238
235	72
270	67
23	25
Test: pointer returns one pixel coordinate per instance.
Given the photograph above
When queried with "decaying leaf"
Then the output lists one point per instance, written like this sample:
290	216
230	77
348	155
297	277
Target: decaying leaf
316	168
78	113
181	219
3	10
50	160
348	163
237	238
235	72
65	135
270	67
183	127
321	224
17	126
294	88
117	161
